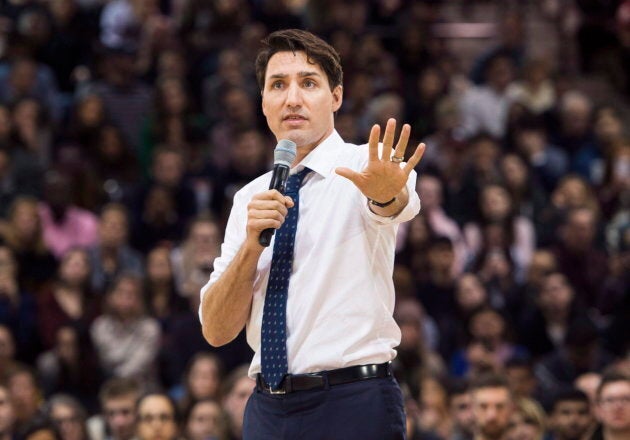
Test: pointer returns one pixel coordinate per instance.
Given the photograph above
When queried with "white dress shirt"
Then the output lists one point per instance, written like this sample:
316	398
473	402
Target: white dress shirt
341	293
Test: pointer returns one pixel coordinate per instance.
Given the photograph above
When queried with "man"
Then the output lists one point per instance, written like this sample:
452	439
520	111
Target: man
339	330
460	409
613	407
570	415
492	406
118	397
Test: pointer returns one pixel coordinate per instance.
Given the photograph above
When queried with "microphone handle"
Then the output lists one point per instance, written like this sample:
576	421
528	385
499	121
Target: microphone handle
279	182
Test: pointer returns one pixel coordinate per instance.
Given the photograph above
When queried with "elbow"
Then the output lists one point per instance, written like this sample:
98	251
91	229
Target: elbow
215	338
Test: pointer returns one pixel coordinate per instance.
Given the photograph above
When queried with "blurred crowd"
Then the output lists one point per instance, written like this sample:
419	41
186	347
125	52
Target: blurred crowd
126	127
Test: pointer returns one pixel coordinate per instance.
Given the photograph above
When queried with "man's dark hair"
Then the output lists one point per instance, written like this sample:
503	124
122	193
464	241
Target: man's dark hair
610	377
296	40
568	395
489	380
118	387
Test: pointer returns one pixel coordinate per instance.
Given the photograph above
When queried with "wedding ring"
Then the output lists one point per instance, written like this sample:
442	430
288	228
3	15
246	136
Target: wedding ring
397	159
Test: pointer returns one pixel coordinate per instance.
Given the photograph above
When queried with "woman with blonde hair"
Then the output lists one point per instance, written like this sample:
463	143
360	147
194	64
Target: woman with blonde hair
528	421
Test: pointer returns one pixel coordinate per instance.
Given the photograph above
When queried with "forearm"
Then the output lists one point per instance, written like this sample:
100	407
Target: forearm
226	305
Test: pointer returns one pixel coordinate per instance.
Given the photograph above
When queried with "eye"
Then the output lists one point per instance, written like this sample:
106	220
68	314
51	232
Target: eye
309	83
276	85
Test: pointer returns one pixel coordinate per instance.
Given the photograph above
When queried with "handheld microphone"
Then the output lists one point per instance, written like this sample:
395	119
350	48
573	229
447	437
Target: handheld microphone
283	157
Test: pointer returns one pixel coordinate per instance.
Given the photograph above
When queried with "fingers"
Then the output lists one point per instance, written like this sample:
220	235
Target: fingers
375	134
347	173
388	139
401	146
268	210
415	158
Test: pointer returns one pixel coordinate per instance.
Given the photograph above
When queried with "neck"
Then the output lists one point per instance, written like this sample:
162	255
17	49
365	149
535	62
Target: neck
617	434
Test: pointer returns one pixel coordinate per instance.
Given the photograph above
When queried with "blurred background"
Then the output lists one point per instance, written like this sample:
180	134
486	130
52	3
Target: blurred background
126	127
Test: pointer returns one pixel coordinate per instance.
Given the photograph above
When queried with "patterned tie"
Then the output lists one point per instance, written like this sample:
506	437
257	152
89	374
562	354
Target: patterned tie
274	324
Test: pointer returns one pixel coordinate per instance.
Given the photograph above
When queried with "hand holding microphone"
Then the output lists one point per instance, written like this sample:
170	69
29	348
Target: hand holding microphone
283	156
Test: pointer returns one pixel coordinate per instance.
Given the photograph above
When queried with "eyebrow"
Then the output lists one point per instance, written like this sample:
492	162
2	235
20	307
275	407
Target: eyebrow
301	74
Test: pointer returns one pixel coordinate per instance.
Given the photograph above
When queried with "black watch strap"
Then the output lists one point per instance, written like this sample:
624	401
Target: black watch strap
382	205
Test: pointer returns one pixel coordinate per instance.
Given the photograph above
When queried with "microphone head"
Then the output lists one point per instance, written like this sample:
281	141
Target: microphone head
285	153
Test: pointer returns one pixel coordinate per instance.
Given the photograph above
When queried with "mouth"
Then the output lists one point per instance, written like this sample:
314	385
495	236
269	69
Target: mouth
294	118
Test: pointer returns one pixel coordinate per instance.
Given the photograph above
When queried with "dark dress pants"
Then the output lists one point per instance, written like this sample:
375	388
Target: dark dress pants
367	410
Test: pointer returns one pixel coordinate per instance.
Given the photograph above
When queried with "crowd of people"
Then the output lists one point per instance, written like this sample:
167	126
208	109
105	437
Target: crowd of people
126	126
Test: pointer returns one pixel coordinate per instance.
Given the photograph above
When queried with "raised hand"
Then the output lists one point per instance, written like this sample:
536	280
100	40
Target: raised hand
384	178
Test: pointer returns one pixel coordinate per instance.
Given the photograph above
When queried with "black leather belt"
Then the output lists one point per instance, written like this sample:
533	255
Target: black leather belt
310	381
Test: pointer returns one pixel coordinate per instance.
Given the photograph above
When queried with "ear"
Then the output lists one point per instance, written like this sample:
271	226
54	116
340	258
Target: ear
337	93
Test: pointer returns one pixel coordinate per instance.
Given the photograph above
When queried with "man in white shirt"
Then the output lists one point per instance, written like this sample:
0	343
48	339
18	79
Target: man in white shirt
340	333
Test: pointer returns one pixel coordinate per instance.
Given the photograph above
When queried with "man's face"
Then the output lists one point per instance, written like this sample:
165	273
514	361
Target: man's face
297	100
570	419
120	415
461	411
492	409
613	406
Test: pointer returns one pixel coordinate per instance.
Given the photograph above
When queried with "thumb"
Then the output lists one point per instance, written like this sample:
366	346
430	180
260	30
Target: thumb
347	173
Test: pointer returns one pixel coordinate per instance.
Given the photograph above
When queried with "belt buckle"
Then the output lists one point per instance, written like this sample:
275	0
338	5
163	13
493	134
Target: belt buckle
272	391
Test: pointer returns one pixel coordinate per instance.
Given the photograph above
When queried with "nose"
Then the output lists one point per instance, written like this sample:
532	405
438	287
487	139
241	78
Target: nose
294	95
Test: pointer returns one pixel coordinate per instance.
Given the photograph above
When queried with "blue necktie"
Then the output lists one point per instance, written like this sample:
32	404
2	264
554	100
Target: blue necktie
274	324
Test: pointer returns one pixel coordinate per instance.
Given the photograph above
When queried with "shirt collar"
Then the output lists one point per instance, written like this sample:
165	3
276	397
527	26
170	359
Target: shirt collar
323	158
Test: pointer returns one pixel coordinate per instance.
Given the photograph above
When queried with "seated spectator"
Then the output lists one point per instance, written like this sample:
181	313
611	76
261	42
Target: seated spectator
18	309
68	416
23	233
112	255
489	348
68	301
70	367
570	416
125	338
429	189
248	158
535	90
157	417
205	420
192	260
496	207
460	408
544	326
528	421
571	192
237	388
519	372
470	296
589	160
588	383
27	398
580	353
162	299
613	407
528	196
492	407
484	108
164	204
579	256
201	380
547	162
437	293
415	358
117	417
64	225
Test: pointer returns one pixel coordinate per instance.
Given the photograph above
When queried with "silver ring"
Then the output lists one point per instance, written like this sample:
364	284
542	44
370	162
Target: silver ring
397	159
